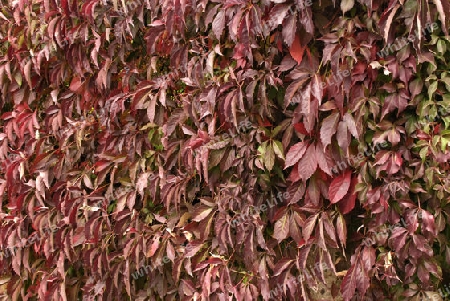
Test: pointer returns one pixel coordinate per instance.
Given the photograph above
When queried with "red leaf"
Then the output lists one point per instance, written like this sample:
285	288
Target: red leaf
296	192
308	164
348	202
323	158
201	213
281	266
192	248
300	127
351	125
294	176
154	246
342	135
394	101
362	278
277	15
348	286
170	251
443	8
281	229
339	187
314	191
428	222
265	123
75	84
341	229
295	228
328	129
295	153
289	29
219	24
309	226
297	50
398	238
291	90
316	88
303	255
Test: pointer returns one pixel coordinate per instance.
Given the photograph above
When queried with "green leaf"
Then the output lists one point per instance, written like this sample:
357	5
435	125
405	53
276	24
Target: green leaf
431	89
410	125
148	125
278	171
18	78
415	87
262	148
433	112
444	143
446	121
278	148
446	81
276	131
435	140
269	158
215	156
347	5
441	47
431	67
150	134
429	174
423	153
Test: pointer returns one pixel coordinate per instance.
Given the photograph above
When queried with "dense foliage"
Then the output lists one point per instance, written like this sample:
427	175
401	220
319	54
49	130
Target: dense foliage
224	150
